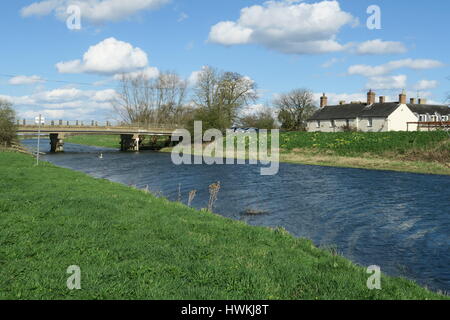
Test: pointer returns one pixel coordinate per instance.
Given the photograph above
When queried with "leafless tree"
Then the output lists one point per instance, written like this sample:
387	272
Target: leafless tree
144	101
219	96
294	108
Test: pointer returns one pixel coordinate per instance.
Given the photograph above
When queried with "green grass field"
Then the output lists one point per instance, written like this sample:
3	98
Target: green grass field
107	141
358	143
132	245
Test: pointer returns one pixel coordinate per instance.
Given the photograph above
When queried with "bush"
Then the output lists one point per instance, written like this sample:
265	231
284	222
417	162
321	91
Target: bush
7	123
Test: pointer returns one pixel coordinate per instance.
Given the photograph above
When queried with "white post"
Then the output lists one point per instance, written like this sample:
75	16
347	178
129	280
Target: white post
39	141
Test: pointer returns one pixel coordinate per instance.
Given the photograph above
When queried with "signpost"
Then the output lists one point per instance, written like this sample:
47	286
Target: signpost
39	121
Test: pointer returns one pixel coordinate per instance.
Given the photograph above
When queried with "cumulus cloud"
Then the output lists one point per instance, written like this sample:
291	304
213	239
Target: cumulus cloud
193	78
21	80
372	71
287	26
110	56
426	85
64	103
387	82
378	47
96	11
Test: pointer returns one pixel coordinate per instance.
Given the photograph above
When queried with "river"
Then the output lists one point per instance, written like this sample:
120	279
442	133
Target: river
398	221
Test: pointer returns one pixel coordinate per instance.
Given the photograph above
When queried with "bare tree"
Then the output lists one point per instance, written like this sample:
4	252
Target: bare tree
220	95
7	123
145	101
295	108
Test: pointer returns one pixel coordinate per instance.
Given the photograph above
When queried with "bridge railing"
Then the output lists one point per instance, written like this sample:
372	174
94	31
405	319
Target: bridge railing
94	124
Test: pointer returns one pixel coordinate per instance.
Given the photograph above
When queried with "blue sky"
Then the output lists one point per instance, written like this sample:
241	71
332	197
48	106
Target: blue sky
280	45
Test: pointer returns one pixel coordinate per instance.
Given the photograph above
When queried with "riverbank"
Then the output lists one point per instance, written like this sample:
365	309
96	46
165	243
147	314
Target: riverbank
416	152
132	245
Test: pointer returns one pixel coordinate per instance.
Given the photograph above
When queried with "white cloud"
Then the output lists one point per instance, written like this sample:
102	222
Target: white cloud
230	33
147	73
20	80
109	56
58	95
378	47
255	109
387	82
193	78
426	84
287	26
41	8
372	71
96	11
64	103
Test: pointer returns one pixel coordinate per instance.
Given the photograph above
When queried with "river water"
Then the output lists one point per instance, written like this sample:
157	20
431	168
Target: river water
398	221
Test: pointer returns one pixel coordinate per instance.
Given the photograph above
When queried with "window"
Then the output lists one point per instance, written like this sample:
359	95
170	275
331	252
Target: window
422	118
445	118
318	124
332	124
347	123
369	122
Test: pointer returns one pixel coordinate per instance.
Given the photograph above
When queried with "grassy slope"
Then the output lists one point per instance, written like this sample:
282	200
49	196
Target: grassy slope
421	152
131	245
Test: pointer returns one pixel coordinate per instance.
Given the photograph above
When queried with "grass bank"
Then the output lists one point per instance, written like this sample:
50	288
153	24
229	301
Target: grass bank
132	245
420	152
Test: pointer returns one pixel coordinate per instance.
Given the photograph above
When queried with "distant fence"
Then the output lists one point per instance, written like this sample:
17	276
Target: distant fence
429	126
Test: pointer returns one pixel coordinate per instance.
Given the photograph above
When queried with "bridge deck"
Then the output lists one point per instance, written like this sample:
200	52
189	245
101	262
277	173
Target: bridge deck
73	130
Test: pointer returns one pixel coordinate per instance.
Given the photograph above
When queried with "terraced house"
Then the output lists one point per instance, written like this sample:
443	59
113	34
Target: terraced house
381	116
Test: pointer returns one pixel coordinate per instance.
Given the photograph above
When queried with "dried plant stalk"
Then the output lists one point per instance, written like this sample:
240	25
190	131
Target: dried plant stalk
213	192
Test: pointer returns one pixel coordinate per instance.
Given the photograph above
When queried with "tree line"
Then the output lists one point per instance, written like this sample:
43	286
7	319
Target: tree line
217	98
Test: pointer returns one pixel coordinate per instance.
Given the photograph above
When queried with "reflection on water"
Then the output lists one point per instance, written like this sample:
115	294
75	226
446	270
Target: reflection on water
399	221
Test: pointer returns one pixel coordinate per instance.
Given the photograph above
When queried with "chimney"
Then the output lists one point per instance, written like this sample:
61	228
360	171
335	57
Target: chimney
382	99
412	101
402	97
370	97
323	101
422	101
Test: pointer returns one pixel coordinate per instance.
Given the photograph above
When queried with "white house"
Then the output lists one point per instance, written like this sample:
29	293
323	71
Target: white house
372	116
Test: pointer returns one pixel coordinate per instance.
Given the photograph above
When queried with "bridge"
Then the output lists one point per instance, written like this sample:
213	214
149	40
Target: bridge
131	137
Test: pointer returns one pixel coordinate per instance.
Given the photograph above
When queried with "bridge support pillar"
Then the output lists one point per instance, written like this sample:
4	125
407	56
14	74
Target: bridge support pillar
129	142
56	142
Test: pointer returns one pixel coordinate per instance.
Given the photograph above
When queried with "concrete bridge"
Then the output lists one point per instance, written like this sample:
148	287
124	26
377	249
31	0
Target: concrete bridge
131	137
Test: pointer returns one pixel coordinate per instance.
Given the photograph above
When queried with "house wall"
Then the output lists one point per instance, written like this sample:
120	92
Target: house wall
400	117
325	125
378	124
